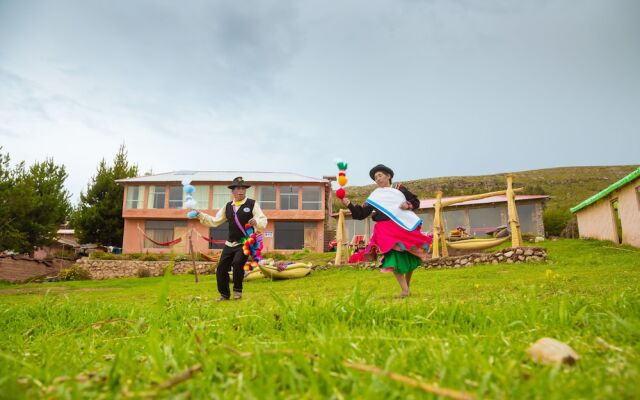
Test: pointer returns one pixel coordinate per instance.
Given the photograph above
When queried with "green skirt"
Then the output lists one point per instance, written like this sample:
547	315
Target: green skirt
401	261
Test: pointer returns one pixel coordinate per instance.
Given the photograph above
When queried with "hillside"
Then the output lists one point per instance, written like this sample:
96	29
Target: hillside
567	187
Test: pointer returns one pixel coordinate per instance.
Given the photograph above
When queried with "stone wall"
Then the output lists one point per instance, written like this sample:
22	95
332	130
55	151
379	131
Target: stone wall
512	255
109	269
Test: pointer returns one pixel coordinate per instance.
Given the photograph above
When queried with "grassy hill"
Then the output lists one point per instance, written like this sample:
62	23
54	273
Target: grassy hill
567	187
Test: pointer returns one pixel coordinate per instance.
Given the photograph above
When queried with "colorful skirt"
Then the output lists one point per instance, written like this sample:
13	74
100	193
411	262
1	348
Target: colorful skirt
403	251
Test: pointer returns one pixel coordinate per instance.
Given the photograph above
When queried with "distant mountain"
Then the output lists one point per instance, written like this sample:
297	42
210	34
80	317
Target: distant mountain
567	186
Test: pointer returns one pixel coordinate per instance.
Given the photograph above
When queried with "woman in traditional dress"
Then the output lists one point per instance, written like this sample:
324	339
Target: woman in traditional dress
397	230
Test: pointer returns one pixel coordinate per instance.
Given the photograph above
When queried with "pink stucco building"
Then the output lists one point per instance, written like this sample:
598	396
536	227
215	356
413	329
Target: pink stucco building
295	206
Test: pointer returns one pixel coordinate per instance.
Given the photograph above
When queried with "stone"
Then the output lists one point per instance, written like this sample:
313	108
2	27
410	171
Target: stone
508	254
550	351
509	261
520	258
519	251
528	252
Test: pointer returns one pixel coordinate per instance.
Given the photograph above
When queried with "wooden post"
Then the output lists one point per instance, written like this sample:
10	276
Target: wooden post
193	257
437	228
367	228
341	233
514	222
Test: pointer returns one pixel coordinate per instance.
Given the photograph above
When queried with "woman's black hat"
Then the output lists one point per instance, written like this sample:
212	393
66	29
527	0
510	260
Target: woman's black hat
382	168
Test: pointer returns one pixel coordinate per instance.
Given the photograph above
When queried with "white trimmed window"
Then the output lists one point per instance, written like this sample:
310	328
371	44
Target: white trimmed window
311	198
289	197
201	196
267	197
135	196
175	196
156	197
221	196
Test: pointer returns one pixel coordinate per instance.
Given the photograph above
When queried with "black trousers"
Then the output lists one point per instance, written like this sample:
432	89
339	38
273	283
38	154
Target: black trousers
232	257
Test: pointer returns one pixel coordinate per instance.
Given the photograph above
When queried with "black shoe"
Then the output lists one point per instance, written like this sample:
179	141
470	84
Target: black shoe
237	295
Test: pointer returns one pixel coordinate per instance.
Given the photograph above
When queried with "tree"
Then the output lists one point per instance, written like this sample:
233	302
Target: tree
98	217
34	204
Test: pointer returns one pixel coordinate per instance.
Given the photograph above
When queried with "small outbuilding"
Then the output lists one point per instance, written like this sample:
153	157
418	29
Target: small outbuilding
614	213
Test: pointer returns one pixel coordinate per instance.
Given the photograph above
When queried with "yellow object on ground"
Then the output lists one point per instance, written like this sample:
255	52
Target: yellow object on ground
293	271
477	244
251	276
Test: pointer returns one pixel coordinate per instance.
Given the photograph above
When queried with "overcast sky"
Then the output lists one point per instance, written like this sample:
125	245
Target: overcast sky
429	88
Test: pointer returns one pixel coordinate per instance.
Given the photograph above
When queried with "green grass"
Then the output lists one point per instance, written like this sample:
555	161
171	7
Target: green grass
465	329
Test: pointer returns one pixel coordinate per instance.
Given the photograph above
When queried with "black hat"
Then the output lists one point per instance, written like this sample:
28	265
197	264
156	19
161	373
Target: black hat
382	168
238	182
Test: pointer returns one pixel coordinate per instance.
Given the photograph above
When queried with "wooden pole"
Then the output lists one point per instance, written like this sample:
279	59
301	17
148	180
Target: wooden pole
367	228
341	233
437	229
477	197
193	257
514	222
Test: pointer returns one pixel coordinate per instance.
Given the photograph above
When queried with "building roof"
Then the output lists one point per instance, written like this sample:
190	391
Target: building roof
430	203
622	182
224	176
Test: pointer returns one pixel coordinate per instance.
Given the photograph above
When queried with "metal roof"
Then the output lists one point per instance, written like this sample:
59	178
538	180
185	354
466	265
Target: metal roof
430	203
622	182
224	176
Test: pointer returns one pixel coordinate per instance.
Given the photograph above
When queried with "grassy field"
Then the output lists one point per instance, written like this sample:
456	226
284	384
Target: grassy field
467	330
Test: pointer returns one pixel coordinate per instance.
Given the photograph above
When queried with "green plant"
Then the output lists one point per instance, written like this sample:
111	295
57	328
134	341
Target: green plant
150	257
74	273
143	272
101	255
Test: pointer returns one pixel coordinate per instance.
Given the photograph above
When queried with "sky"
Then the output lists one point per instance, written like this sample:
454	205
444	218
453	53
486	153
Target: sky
430	88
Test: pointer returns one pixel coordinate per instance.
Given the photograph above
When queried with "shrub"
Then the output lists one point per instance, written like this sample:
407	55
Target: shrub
101	255
555	221
66	254
143	272
74	273
181	257
150	257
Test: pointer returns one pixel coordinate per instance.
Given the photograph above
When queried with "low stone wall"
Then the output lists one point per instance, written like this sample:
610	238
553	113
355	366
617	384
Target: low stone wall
512	255
109	269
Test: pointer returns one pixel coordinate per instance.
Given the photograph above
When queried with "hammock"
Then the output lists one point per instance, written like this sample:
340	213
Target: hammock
164	244
214	241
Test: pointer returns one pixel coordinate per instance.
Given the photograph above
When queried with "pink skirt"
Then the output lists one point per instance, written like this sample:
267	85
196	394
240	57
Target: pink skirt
387	235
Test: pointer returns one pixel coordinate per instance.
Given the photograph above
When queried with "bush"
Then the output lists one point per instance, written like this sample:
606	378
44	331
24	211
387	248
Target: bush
555	221
143	272
74	273
150	257
181	257
66	254
101	255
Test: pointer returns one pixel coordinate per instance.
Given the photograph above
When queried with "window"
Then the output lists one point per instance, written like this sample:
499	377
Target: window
219	233
268	197
526	213
156	197
289	197
175	196
221	196
485	219
311	198
357	227
134	196
289	235
161	232
201	196
427	220
453	219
